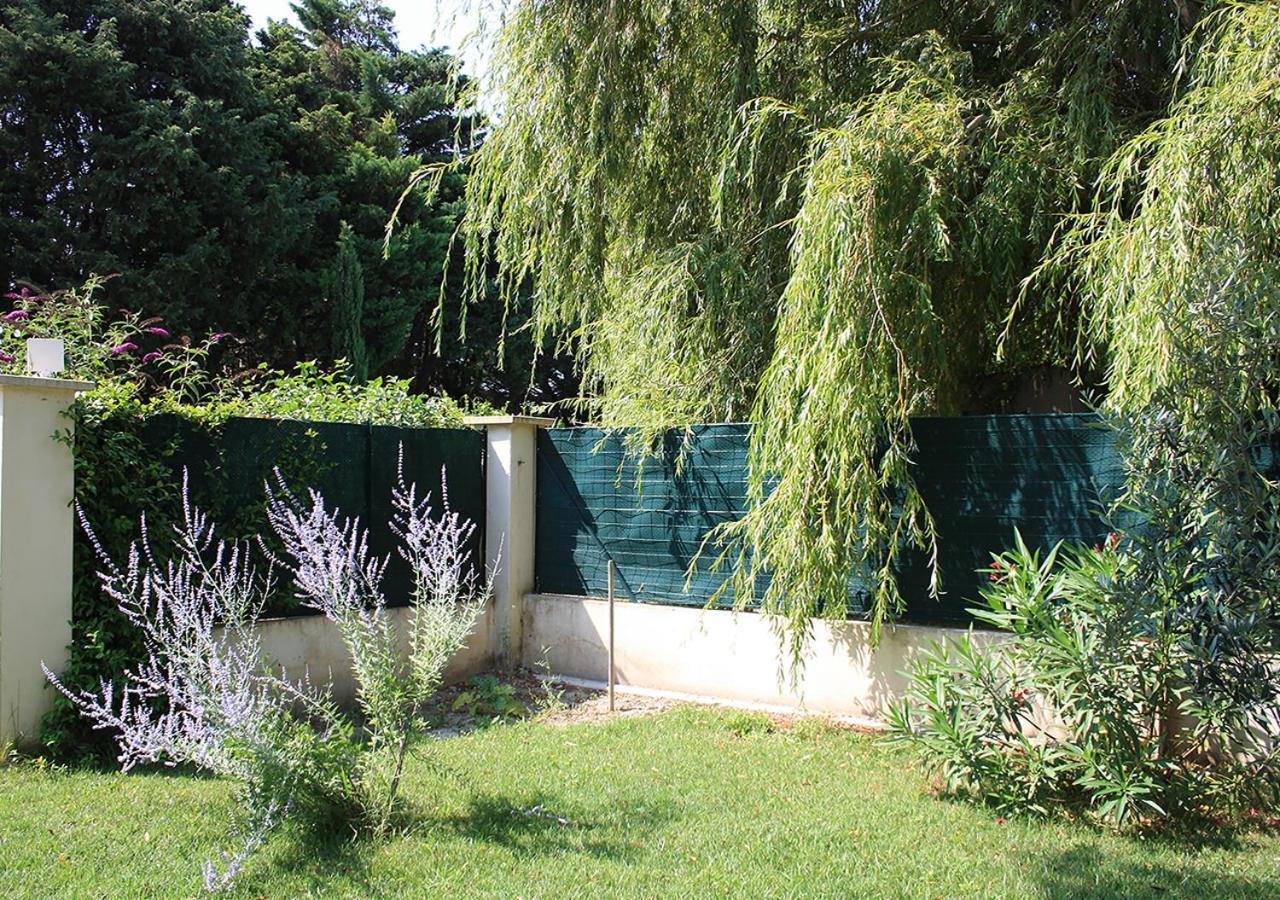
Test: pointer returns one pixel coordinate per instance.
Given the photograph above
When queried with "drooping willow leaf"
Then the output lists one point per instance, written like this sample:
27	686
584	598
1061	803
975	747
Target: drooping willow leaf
820	215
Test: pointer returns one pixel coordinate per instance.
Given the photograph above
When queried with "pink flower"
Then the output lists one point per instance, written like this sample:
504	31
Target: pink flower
123	348
158	331
152	356
220	336
17	315
7	357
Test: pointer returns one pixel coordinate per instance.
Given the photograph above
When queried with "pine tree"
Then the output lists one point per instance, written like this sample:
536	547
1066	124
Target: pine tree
346	302
209	170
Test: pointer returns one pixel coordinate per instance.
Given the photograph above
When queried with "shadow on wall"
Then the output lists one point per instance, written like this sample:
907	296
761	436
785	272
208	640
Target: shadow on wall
733	656
1051	477
597	501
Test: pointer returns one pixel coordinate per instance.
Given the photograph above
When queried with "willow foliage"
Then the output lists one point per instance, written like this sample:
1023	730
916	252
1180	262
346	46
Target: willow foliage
595	202
859	347
1198	192
819	215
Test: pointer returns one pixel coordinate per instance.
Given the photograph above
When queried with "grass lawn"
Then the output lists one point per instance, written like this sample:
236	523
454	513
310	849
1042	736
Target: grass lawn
688	802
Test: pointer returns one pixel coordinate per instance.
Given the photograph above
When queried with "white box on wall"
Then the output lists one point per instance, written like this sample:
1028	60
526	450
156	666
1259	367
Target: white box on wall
46	356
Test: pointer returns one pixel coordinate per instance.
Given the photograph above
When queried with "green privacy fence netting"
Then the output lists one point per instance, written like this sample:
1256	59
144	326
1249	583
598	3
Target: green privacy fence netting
1050	476
353	466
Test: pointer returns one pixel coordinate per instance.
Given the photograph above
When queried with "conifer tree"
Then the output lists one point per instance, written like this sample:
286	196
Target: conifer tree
346	302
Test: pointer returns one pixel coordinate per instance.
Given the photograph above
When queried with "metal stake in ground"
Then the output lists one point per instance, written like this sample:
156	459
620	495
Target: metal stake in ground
612	680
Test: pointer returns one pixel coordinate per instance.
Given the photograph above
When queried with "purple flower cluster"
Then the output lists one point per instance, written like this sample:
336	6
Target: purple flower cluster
204	695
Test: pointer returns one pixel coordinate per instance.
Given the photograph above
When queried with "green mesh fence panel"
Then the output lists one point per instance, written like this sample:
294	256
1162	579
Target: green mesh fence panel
1048	475
353	466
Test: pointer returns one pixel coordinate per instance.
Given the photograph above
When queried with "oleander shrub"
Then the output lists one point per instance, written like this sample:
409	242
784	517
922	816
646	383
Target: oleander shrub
1140	680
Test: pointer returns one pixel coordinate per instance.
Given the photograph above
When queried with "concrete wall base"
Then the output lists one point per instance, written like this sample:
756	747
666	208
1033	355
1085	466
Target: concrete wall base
733	656
311	646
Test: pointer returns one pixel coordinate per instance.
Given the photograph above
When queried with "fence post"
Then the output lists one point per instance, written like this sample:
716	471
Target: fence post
36	529
510	493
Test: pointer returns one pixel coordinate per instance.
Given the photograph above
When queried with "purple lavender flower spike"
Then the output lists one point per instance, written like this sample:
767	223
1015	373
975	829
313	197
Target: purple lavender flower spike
17	315
126	347
152	356
158	331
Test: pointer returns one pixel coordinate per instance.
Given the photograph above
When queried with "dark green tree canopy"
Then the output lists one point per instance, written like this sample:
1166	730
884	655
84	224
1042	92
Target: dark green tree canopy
135	141
154	139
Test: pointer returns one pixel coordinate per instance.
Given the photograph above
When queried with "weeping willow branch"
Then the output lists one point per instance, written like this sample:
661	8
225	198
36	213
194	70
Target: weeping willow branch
859	348
1178	199
597	190
816	215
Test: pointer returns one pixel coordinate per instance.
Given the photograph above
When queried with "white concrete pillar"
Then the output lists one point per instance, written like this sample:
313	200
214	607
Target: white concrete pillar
36	529
510	494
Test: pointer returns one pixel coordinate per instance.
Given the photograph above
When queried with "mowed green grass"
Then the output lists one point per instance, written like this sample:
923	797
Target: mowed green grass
687	803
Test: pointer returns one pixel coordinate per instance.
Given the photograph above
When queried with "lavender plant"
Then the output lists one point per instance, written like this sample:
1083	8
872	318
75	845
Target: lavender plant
328	557
207	696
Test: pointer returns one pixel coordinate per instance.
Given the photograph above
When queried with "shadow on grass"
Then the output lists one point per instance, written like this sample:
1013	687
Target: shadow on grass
530	826
539	826
320	856
1087	872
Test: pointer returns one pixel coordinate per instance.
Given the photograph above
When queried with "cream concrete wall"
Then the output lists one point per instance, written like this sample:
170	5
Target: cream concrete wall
727	655
36	530
510	495
311	645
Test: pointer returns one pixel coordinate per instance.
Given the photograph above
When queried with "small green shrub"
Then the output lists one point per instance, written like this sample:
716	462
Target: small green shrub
743	722
486	696
1094	702
552	695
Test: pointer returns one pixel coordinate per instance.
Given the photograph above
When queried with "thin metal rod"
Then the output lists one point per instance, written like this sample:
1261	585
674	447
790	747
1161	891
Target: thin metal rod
612	678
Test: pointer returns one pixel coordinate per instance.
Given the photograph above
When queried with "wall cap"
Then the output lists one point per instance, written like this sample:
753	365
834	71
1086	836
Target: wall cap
43	383
944	629
536	421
